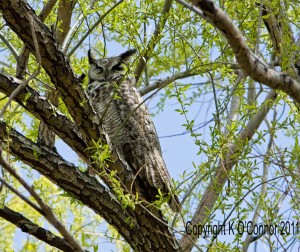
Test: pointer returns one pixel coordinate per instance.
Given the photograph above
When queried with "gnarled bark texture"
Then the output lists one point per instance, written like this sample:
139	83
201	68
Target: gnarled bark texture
142	229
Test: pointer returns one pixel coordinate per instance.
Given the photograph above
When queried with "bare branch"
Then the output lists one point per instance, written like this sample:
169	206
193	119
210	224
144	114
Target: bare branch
273	26
233	115
64	15
47	9
33	229
161	83
274	23
22	63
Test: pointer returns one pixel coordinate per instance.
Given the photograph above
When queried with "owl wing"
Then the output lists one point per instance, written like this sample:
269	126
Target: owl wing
142	150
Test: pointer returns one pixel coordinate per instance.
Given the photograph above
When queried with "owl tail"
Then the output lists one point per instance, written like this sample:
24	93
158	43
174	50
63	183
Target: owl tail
175	204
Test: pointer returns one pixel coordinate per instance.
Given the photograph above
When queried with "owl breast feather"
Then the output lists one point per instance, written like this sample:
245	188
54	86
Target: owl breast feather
110	108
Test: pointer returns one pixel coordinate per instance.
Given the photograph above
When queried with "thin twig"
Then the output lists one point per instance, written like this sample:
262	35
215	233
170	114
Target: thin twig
166	81
21	196
48	213
4	63
154	39
36	72
9	46
76	25
93	27
263	192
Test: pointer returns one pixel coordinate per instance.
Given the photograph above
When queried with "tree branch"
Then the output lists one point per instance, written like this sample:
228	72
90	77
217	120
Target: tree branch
78	22
47	9
47	162
9	46
93	27
39	107
22	59
251	64
218	180
91	193
33	229
161	83
154	39
64	15
47	211
55	63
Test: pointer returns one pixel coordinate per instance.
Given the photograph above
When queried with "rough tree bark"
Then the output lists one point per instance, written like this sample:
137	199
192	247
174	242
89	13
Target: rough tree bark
143	230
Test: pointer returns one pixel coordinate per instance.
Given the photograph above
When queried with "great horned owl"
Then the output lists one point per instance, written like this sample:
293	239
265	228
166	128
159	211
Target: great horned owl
126	120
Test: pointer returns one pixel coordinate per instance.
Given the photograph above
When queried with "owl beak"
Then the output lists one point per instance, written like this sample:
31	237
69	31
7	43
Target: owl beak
106	75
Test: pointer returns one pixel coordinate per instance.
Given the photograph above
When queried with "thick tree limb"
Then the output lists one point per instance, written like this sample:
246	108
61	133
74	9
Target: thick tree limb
15	13
251	64
65	9
39	107
33	229
47	162
139	228
273	26
47	9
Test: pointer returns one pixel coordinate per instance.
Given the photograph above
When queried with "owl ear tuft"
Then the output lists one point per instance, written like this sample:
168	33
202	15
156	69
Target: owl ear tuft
125	56
91	57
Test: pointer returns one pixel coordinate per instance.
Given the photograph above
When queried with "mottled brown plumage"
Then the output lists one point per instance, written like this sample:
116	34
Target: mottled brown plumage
126	120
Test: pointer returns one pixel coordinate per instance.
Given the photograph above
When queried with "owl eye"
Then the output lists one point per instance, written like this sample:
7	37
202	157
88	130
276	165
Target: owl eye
117	67
99	68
